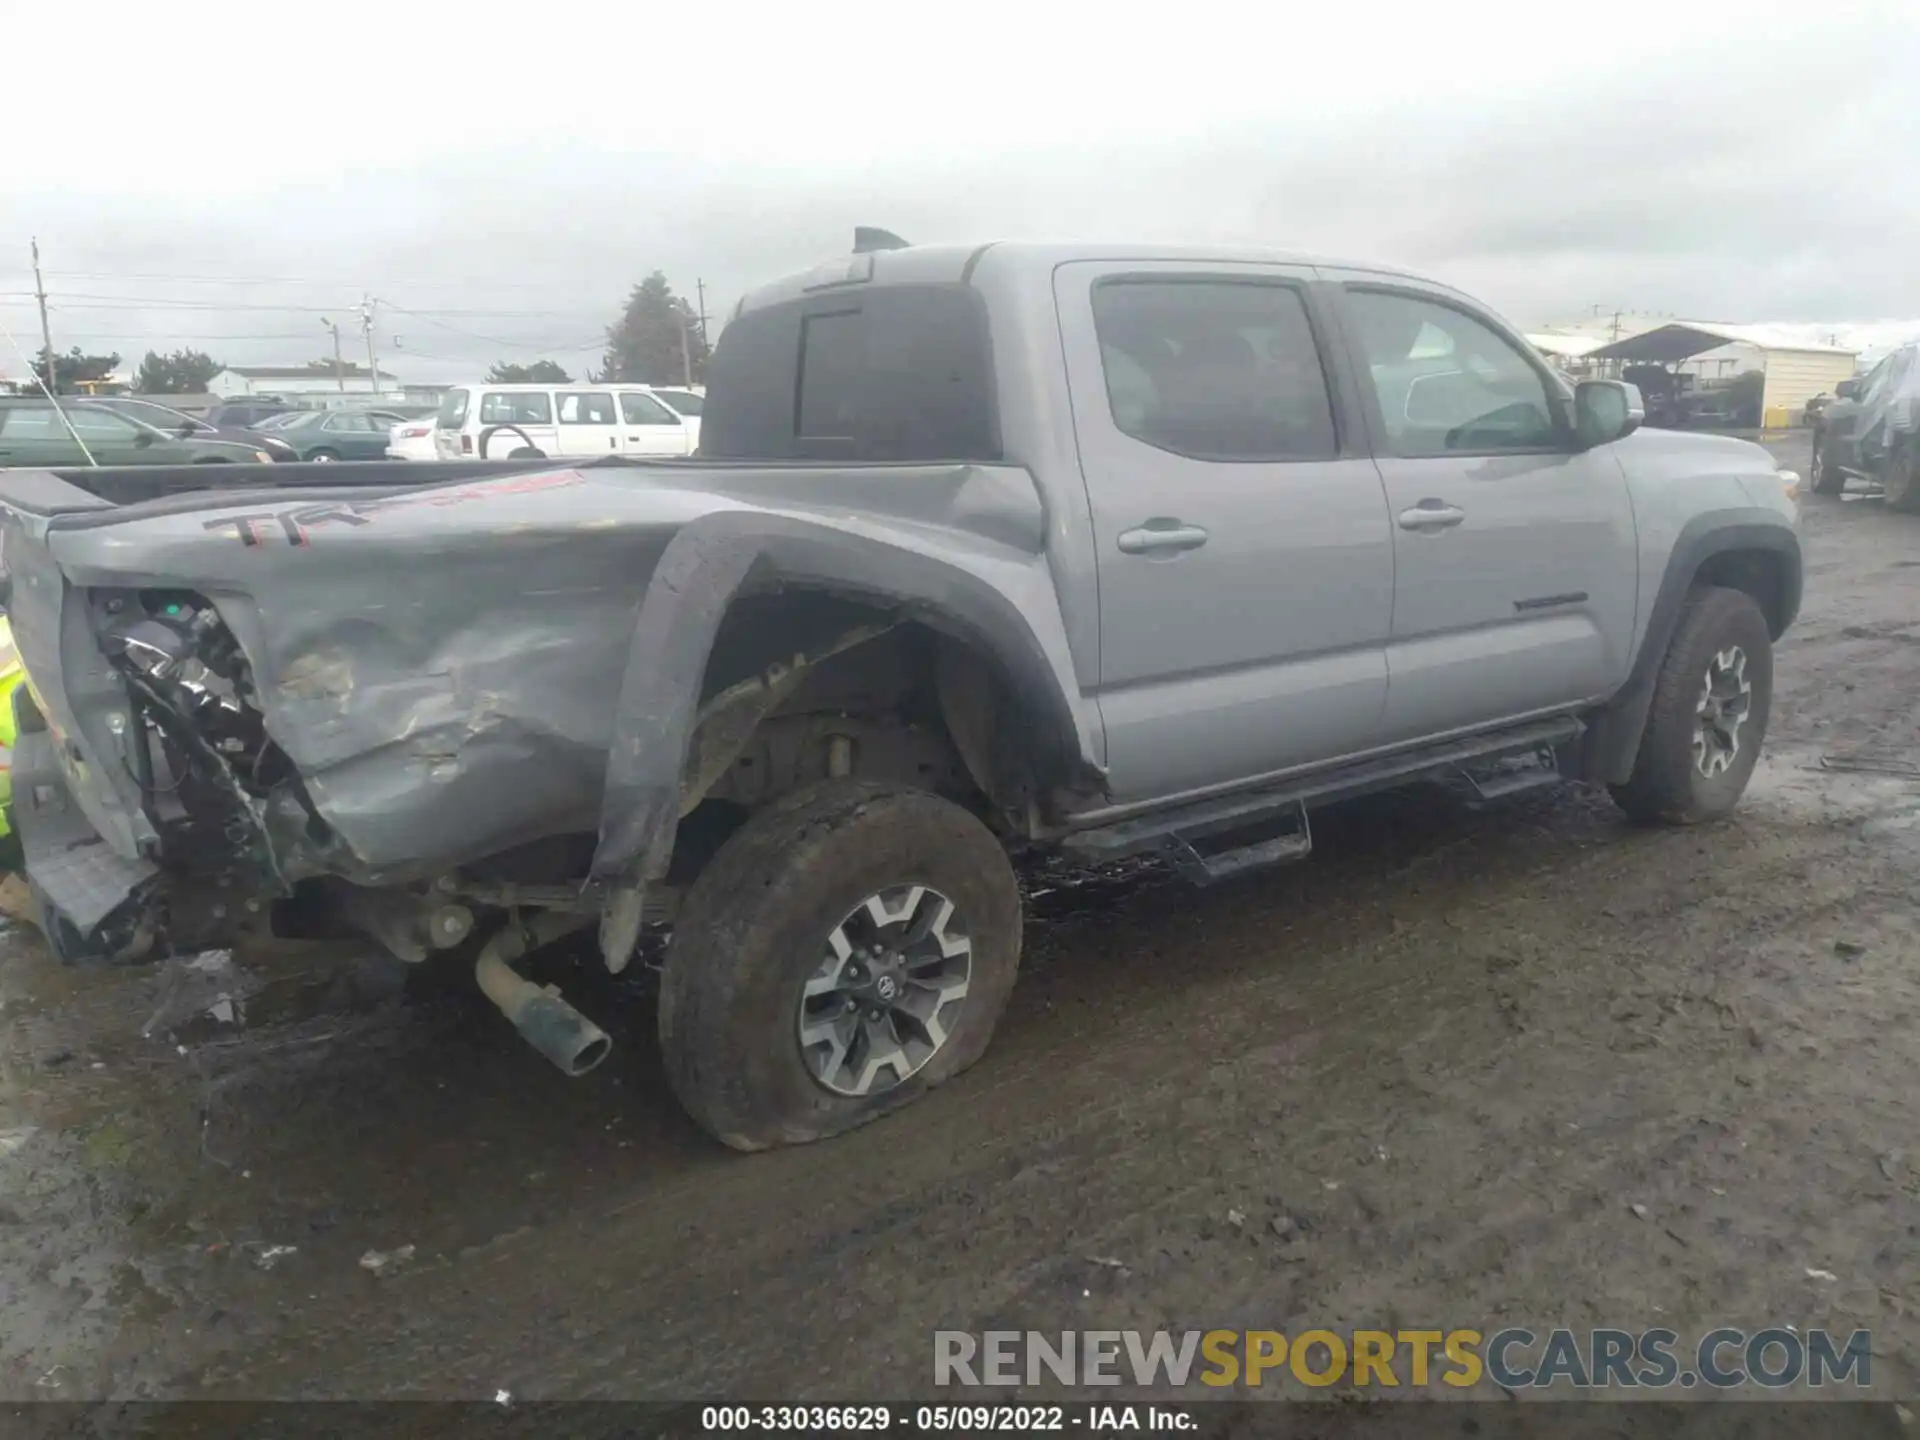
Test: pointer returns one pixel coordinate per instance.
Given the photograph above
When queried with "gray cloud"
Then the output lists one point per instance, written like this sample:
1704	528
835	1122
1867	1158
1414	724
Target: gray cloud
1772	180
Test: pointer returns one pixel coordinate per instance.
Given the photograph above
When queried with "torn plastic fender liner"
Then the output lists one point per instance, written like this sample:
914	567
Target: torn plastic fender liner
702	570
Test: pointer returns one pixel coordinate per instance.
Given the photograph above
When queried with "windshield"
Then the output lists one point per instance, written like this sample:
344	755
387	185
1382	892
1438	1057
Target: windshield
284	420
683	401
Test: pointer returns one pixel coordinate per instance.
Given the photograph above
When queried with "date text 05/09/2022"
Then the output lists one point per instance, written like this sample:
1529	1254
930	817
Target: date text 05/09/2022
937	1419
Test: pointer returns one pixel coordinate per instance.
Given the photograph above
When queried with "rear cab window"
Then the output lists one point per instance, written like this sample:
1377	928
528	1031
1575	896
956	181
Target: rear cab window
898	373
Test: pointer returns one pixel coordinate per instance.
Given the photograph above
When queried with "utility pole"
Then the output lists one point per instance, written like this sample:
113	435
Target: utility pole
366	324
339	365
46	335
686	353
700	289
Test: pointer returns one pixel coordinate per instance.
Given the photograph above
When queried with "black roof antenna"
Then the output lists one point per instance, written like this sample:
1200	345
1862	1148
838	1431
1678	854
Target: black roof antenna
868	238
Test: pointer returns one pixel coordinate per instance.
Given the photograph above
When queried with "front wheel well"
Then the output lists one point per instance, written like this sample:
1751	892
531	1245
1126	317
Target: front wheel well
1763	574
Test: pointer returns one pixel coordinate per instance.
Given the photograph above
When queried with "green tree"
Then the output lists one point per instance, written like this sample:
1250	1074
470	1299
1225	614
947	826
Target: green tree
540	372
183	372
657	339
67	372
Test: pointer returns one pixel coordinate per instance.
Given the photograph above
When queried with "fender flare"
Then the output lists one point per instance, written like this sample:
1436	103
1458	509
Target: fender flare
715	559
1613	737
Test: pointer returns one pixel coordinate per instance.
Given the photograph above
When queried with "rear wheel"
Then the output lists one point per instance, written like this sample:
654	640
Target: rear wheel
323	457
1828	477
1709	713
1902	480
849	948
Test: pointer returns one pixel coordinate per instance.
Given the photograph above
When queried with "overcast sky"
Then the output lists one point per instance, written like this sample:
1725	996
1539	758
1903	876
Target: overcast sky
497	177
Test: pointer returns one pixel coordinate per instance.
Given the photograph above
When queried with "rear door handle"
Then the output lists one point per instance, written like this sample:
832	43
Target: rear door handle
1432	515
1161	535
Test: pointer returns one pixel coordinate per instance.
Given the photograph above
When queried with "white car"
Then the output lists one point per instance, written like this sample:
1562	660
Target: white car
510	422
412	440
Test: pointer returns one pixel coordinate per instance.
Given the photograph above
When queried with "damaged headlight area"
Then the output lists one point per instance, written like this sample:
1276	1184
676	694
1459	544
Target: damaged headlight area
199	749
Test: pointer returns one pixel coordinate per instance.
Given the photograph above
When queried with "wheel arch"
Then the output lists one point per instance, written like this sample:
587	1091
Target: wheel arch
681	670
1750	550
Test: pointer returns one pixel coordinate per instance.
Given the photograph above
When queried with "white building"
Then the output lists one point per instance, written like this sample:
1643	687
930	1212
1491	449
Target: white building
319	387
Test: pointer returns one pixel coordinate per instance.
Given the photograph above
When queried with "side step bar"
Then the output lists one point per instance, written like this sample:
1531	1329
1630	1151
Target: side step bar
1226	835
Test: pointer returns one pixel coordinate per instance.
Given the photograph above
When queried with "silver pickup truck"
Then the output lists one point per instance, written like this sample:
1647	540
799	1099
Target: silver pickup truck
1106	550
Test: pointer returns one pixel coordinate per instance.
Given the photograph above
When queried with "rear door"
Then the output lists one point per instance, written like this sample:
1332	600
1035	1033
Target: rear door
649	428
587	421
1516	567
1244	555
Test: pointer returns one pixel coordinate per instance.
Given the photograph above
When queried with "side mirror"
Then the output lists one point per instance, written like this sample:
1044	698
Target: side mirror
1847	389
1605	411
143	441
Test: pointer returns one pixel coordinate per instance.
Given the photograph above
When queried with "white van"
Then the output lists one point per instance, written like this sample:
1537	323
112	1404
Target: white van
507	422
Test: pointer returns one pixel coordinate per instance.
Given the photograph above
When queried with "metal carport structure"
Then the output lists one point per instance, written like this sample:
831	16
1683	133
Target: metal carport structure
1795	370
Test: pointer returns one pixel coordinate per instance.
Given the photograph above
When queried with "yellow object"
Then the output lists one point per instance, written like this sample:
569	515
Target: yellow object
1777	417
12	672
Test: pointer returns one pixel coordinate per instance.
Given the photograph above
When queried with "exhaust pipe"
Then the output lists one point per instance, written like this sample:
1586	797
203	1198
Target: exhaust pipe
548	1023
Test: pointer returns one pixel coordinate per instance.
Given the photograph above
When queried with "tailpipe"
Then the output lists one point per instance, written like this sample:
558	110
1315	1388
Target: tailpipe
548	1023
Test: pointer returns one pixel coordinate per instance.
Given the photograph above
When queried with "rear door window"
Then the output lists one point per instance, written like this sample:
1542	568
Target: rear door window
1214	369
585	408
453	410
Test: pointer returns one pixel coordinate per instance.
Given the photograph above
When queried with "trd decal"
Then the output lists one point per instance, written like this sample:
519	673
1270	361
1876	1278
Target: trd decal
298	521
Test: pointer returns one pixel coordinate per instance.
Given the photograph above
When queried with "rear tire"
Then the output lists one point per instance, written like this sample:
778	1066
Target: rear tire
1709	713
1828	478
323	457
769	949
1902	482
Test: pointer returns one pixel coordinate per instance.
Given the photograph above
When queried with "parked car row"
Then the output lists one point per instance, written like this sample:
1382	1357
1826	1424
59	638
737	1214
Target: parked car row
497	422
33	434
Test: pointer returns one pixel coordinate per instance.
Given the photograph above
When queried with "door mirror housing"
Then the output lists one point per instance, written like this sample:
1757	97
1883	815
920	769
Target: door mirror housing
143	441
1605	411
1847	390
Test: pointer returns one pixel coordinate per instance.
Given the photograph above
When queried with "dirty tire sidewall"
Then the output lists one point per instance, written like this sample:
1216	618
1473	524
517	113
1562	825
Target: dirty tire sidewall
1666	787
1828	477
753	929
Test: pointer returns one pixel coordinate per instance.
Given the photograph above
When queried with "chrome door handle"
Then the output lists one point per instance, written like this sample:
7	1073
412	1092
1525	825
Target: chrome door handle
1431	515
1157	535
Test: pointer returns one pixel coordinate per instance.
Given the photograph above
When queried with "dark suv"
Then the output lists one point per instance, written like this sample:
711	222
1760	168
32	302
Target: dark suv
245	414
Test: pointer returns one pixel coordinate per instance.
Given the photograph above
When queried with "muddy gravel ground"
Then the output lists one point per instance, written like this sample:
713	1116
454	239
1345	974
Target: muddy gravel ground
1450	1055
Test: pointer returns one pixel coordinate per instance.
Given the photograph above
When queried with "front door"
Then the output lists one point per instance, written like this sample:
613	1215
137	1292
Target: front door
649	428
1515	558
1244	557
588	423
